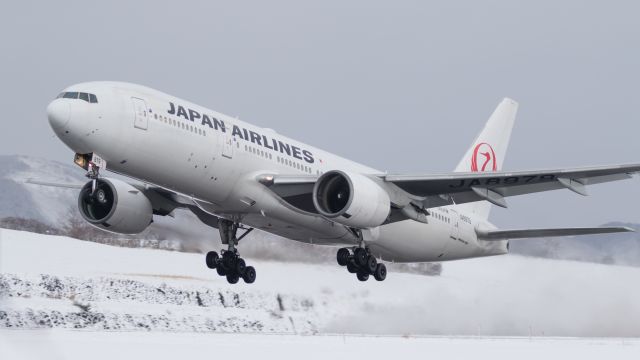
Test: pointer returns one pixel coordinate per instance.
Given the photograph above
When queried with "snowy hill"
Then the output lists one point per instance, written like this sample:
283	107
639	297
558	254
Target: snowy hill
50	205
48	281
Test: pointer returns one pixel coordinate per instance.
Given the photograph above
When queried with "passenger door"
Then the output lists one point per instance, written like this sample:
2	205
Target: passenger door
141	113
227	145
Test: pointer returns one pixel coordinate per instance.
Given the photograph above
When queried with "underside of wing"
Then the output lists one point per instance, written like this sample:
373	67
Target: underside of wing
295	190
496	235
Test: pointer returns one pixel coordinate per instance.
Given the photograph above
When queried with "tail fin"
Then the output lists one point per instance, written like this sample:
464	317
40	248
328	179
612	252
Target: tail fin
489	149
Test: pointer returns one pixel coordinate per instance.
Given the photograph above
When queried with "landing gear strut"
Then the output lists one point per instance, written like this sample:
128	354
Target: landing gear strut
97	194
359	261
230	264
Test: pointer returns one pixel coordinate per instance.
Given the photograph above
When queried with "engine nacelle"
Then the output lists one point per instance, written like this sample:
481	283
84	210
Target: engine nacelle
351	199
115	206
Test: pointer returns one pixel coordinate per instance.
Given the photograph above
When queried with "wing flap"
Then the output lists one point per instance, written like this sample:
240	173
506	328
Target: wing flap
497	235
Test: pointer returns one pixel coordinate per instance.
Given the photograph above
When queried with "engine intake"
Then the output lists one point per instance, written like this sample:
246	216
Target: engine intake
115	206
351	199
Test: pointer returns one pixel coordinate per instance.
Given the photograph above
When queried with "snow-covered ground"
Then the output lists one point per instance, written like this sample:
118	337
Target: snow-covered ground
68	344
167	299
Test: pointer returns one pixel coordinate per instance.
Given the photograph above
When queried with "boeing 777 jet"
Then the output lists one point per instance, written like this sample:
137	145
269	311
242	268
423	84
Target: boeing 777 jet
237	177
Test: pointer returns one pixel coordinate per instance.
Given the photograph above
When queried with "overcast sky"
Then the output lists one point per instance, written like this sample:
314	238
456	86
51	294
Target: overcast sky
402	86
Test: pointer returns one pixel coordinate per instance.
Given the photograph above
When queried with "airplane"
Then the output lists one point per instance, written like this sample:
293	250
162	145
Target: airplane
238	177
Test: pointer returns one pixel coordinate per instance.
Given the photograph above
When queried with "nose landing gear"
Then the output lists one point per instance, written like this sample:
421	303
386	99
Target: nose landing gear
230	264
359	261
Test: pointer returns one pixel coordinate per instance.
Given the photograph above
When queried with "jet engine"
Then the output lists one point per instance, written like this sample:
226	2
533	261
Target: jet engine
115	206
351	199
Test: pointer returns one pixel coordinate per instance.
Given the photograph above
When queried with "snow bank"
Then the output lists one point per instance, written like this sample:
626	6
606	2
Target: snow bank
48	277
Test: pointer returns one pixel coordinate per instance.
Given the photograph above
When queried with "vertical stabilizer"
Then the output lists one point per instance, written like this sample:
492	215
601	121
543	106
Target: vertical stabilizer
488	151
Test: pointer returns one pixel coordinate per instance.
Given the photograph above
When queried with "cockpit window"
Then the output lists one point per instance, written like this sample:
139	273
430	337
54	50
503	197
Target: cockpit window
90	98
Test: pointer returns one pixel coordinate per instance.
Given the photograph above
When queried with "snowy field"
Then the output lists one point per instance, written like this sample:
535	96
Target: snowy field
68	344
72	299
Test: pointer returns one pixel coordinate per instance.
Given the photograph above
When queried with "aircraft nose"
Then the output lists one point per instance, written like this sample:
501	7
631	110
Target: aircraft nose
58	113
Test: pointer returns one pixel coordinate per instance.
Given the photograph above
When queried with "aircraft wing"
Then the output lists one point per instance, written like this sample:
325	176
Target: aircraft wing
458	188
497	235
429	191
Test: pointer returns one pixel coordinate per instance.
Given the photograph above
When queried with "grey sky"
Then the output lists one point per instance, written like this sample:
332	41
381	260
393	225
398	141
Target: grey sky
403	86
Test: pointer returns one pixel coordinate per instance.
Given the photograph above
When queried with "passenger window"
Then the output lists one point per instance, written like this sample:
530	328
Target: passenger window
71	95
84	96
93	99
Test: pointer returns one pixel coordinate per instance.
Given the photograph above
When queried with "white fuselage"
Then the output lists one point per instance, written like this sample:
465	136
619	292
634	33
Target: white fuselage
215	159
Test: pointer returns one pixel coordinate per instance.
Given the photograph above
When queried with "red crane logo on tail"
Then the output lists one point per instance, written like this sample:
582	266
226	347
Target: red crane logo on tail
487	161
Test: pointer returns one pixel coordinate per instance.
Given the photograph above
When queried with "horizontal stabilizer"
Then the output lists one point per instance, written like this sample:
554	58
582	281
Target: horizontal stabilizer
495	235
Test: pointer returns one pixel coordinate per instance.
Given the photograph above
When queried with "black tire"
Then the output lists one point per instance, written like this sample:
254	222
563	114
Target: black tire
212	259
221	271
233	278
381	272
241	265
363	276
100	196
352	267
360	256
371	264
343	256
249	275
229	260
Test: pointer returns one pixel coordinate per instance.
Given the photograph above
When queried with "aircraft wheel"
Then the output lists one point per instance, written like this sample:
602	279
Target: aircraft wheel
241	265
363	276
371	264
229	260
221	271
343	256
100	196
212	259
381	272
360	256
249	275
233	278
352	267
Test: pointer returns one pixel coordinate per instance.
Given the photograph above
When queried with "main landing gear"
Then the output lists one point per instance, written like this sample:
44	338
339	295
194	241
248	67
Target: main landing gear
359	261
230	264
